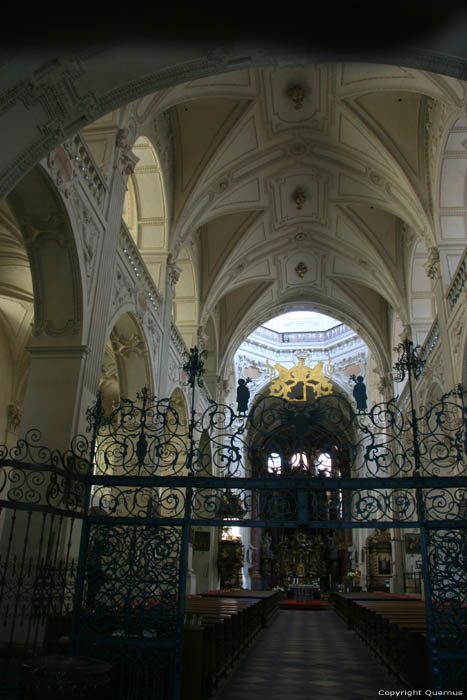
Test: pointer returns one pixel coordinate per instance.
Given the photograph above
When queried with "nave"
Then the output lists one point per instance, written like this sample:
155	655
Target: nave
305	655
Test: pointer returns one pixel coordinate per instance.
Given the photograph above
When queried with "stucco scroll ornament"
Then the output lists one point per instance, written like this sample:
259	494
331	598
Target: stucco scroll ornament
384	384
457	333
124	290
432	263
172	371
89	231
301	270
14	415
299	197
202	338
153	336
127	160
38	230
173	271
60	167
297	95
128	345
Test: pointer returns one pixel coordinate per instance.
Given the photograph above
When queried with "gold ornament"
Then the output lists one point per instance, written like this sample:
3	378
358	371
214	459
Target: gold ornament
302	376
301	270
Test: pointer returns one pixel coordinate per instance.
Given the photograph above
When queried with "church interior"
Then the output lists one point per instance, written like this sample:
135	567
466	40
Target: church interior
244	231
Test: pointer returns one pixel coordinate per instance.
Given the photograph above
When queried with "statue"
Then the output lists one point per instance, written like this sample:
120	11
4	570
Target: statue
359	392
266	551
243	396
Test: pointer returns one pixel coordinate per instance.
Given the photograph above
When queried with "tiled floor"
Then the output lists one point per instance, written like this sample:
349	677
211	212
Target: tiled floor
309	656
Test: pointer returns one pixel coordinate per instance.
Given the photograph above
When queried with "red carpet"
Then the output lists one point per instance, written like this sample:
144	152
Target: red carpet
294	605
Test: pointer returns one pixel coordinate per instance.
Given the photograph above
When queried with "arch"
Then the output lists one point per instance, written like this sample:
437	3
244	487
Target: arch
53	255
16	317
145	209
72	90
126	363
290	427
179	404
258	317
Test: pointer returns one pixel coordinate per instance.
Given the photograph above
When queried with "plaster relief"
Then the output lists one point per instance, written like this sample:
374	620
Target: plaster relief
299	196
298	96
302	268
88	231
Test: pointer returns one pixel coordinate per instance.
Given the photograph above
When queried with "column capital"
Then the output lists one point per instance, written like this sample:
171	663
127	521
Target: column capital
173	271
432	266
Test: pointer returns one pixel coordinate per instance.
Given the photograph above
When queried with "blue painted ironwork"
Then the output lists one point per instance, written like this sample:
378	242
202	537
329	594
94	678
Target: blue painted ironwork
42	498
150	485
146	476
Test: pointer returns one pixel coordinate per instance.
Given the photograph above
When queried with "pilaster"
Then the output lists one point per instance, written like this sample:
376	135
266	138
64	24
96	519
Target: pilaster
434	271
105	277
171	278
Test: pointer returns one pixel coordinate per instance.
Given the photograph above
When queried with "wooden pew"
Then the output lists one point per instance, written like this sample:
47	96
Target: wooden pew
394	627
226	626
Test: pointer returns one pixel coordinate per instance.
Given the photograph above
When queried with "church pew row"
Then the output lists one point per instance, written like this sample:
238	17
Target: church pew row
269	600
394	627
218	631
344	603
397	632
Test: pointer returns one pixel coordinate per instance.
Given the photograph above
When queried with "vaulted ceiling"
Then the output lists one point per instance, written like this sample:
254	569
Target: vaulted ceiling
328	165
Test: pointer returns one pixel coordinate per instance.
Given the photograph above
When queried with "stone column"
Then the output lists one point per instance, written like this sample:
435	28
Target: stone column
52	394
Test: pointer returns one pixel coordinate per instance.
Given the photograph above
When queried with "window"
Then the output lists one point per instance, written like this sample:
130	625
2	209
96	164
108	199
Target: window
274	463
299	461
323	464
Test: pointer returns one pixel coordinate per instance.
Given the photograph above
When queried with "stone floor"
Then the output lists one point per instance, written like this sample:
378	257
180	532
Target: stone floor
309	656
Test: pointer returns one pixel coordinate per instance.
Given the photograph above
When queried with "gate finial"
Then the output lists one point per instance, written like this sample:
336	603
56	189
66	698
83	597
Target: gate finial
409	361
194	366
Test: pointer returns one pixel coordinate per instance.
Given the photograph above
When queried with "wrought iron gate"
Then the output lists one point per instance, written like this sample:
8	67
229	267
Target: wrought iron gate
153	478
146	477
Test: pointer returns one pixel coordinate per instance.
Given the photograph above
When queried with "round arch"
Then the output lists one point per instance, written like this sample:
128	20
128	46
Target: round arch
50	242
271	310
126	364
71	81
145	210
16	318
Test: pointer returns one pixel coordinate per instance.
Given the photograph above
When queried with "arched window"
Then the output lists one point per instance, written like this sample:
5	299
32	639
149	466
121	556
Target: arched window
299	461
323	464
274	463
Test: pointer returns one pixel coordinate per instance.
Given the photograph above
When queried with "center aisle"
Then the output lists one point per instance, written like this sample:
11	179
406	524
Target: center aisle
309	656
